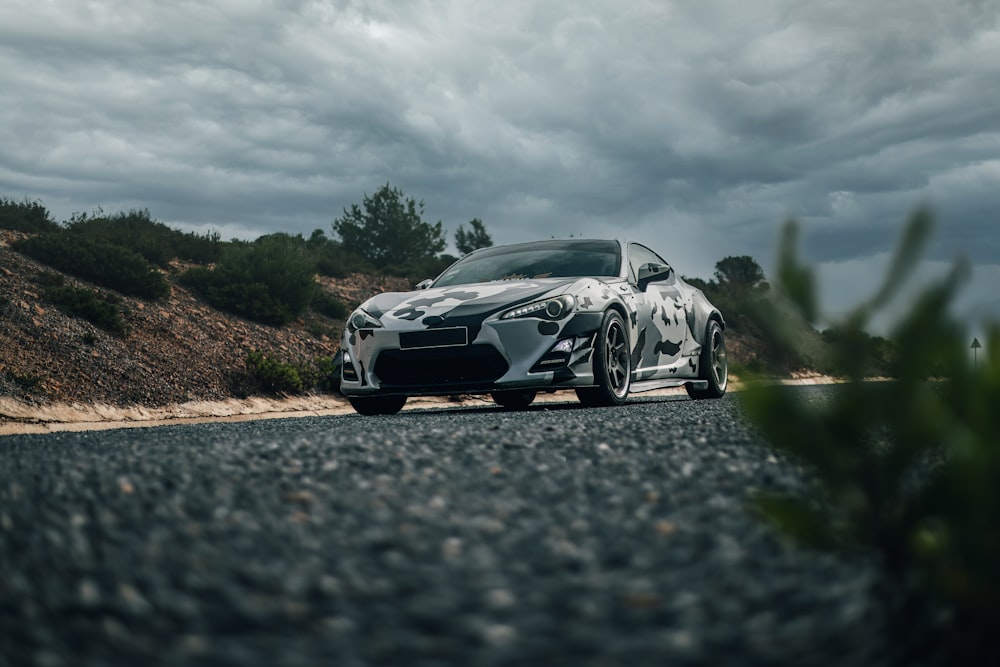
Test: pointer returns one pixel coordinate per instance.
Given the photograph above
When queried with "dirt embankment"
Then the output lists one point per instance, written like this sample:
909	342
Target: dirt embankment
175	355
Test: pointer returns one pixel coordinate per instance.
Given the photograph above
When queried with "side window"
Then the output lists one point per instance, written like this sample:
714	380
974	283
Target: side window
639	255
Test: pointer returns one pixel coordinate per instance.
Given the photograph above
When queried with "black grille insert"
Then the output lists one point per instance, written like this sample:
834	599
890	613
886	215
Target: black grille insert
426	367
450	337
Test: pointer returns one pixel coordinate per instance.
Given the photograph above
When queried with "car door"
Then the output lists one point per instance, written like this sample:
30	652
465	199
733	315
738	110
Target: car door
661	328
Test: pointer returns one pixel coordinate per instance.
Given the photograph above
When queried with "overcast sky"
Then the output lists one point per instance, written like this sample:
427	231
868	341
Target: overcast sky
698	127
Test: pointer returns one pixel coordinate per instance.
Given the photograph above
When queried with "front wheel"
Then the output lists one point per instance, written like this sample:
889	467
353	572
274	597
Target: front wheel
513	399
377	405
612	364
712	366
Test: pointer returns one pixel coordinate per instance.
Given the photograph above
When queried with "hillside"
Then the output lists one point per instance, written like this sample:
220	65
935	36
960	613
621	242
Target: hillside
173	351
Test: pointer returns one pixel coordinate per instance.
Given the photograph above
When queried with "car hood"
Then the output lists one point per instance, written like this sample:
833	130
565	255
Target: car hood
460	305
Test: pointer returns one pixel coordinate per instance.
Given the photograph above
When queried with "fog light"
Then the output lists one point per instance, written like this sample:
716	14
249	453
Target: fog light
564	346
348	372
556	357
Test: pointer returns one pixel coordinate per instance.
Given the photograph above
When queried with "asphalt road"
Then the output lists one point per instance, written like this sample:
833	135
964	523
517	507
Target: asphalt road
557	535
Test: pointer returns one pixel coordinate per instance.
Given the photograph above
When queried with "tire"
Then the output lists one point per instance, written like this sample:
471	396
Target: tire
712	366
377	405
514	399
612	364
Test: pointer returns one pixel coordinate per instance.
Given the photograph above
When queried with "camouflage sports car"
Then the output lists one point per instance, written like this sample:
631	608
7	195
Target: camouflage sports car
605	318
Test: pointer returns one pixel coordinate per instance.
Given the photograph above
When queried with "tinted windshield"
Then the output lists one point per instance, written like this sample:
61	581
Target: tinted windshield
545	259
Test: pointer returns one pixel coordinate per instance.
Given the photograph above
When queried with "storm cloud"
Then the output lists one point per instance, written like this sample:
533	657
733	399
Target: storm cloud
696	127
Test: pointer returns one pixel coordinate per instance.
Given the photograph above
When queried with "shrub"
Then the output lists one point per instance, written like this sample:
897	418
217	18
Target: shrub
155	241
25	216
332	259
268	374
106	264
50	279
271	375
909	468
325	304
102	310
417	270
271	280
27	381
327	373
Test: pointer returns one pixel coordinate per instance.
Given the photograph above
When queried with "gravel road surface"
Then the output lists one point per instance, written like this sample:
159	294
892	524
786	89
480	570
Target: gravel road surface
472	536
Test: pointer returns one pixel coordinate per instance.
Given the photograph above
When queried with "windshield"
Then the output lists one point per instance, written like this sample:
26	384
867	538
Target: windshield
544	259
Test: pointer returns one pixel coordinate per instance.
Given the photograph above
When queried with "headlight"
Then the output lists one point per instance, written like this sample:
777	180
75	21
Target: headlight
549	309
362	319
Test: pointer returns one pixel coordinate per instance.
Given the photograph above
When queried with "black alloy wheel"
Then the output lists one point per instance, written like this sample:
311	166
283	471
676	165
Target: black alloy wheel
612	364
712	365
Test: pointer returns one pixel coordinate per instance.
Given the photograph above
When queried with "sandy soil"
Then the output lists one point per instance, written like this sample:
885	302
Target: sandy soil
19	417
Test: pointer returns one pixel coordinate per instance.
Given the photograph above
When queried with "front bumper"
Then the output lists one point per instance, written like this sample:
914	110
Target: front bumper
503	354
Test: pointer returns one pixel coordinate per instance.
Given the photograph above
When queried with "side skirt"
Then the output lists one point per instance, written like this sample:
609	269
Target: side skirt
650	385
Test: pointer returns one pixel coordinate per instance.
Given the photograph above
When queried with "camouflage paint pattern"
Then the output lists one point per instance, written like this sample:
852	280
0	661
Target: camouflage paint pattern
666	322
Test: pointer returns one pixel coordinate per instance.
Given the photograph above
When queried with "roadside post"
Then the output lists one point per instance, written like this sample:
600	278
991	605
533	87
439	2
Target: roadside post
975	353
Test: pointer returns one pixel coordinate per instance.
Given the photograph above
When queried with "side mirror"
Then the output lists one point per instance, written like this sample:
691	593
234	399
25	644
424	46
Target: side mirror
424	284
653	273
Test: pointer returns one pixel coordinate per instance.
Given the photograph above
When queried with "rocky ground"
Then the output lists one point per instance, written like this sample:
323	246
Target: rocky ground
474	536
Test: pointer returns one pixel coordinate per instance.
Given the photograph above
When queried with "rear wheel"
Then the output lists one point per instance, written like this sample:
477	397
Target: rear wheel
713	366
612	364
513	399
377	405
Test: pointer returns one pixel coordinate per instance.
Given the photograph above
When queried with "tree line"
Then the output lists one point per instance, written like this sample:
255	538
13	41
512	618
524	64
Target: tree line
270	279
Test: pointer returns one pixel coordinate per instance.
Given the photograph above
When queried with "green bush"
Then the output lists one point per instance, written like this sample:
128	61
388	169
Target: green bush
330	306
155	241
25	216
271	280
102	310
106	264
29	382
417	270
50	279
327	373
909	469
332	259
268	374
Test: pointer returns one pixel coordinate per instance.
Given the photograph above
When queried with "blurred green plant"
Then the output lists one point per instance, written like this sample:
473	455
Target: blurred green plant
908	468
740	290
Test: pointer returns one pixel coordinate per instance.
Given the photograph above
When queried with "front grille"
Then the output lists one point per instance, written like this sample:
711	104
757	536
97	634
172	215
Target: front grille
452	336
457	366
